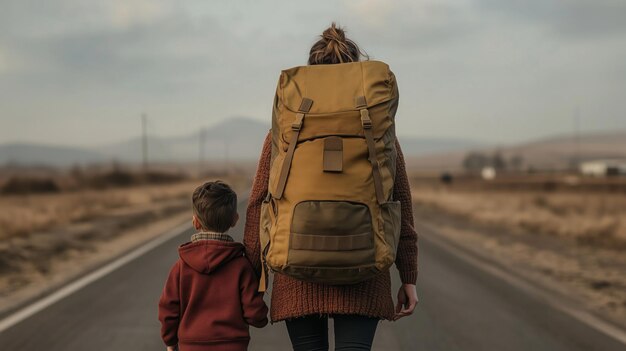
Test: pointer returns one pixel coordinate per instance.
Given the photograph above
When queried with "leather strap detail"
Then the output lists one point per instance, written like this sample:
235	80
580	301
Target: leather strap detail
333	154
305	105
359	102
366	122
296	126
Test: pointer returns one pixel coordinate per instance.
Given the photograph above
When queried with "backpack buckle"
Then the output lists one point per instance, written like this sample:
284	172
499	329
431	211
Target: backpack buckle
366	121
297	124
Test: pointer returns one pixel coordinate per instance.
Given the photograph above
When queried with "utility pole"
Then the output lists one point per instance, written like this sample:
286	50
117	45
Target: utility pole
144	140
576	137
201	147
226	168
225	149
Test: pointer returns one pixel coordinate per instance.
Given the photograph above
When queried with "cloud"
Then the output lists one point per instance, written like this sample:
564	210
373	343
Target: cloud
140	47
410	25
572	19
4	61
126	14
90	64
37	19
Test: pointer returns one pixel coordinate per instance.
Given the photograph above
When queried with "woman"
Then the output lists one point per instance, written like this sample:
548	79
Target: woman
357	308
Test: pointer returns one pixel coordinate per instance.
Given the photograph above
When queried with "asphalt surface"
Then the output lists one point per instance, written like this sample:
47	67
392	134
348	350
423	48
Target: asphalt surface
462	307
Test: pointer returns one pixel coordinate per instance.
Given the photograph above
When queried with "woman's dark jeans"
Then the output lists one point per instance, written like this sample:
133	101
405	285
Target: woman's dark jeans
352	332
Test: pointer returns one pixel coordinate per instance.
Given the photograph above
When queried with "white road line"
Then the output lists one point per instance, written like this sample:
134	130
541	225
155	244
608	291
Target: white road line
39	305
578	314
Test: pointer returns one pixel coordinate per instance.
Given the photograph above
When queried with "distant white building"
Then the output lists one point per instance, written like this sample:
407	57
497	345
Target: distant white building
488	173
602	168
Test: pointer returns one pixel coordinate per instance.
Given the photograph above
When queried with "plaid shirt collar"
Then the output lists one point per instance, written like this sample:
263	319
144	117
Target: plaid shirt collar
211	236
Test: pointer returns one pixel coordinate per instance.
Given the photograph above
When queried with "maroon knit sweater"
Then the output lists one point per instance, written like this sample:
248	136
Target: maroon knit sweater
296	298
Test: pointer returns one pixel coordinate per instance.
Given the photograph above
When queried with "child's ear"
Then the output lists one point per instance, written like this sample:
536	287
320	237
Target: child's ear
196	223
235	219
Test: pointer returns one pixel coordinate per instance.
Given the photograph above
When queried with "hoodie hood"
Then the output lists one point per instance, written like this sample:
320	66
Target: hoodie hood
205	256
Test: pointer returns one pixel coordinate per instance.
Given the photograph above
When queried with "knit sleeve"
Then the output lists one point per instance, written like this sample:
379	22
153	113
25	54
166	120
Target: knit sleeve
253	213
406	257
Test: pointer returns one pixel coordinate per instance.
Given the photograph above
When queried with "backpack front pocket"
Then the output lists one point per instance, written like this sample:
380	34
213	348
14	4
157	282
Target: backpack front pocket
331	234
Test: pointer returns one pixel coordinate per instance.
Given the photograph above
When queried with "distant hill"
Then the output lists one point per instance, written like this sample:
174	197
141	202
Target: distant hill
547	153
414	146
235	138
240	138
41	154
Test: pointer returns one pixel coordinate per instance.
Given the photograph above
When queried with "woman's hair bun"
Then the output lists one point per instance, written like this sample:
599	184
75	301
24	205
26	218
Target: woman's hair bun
334	33
334	47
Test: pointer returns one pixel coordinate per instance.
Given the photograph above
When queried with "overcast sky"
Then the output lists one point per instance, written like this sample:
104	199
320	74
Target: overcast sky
79	72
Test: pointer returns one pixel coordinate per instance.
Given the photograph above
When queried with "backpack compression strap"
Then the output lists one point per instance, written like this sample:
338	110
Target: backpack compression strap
305	106
366	122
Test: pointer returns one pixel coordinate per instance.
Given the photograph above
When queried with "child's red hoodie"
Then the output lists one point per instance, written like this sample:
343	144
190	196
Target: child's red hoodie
210	298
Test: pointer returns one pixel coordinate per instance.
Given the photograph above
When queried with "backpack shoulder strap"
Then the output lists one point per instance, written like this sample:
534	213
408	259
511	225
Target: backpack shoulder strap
305	106
366	122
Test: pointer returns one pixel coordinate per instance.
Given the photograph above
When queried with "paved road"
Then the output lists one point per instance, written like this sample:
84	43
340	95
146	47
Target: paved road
462	308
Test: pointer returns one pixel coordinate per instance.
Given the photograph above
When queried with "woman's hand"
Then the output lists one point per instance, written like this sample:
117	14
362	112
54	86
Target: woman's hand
407	300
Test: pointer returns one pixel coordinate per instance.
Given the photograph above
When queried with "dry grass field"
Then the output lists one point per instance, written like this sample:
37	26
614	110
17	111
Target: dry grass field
48	237
571	238
24	214
589	218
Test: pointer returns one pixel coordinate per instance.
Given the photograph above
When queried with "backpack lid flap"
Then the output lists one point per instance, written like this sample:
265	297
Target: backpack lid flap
334	87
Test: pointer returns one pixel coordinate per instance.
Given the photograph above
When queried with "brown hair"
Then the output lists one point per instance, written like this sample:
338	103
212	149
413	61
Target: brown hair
215	206
334	47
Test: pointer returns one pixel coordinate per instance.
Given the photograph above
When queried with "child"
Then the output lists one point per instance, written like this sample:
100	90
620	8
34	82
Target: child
210	297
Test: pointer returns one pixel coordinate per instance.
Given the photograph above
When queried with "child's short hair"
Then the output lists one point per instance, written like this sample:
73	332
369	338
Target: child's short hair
215	205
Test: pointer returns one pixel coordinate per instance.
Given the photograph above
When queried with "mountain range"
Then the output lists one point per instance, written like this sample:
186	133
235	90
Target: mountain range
241	138
551	153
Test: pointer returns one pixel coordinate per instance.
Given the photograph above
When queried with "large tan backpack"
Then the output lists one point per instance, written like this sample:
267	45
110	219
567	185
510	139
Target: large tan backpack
329	216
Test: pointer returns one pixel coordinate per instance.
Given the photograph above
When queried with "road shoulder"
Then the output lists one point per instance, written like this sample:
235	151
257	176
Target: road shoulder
500	257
